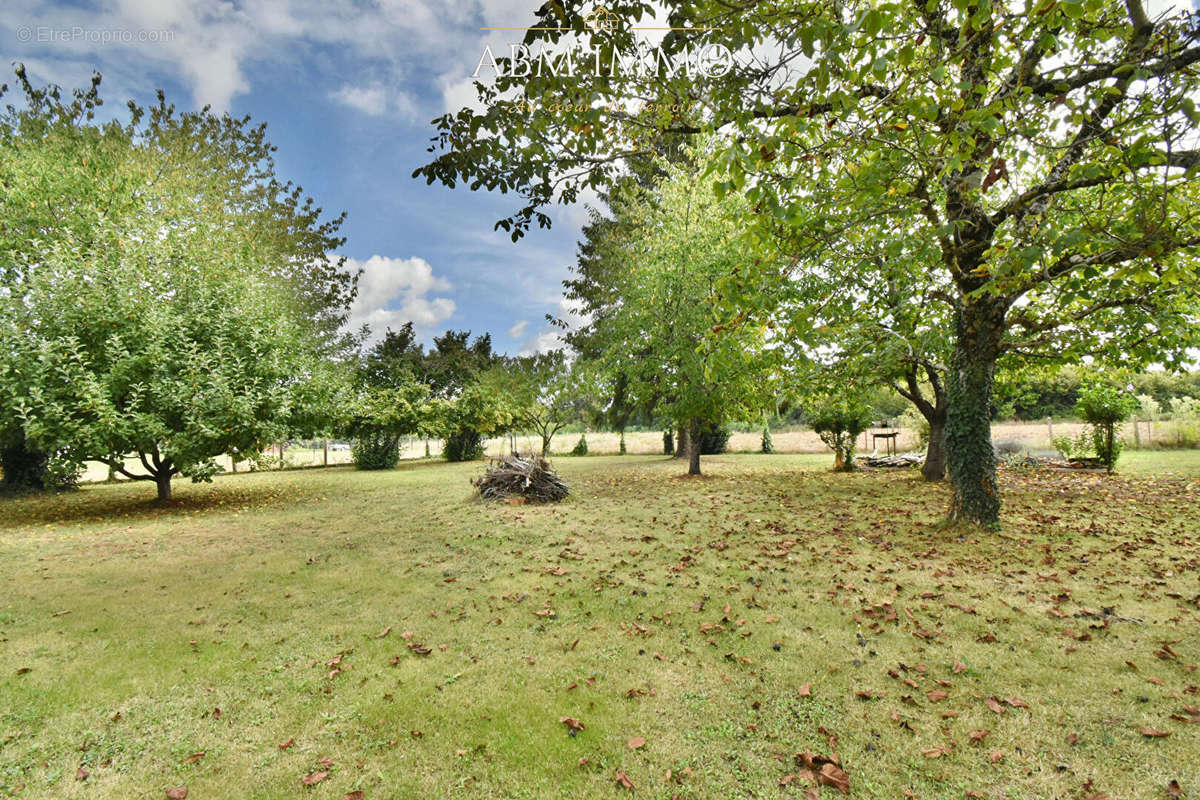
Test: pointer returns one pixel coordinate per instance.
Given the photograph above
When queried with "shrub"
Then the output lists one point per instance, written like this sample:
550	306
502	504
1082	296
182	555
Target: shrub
1104	407
580	448
714	439
463	446
839	422
668	443
767	445
379	450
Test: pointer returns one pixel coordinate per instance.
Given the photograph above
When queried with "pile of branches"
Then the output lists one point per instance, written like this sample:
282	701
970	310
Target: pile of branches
906	460
527	477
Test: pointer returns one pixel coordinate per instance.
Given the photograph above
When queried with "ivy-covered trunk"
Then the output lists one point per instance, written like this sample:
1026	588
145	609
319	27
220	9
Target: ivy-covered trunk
694	446
971	459
934	468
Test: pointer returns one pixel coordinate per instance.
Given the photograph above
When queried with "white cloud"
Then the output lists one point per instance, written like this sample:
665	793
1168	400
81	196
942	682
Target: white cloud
376	100
518	330
550	337
393	291
370	100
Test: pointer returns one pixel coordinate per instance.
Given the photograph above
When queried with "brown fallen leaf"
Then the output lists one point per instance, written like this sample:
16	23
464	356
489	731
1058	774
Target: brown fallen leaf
959	666
975	793
177	793
636	742
287	744
384	632
1153	733
82	774
937	695
419	649
832	775
978	736
315	778
194	757
805	690
357	794
573	725
994	705
326	762
624	781
1174	790
996	756
1017	702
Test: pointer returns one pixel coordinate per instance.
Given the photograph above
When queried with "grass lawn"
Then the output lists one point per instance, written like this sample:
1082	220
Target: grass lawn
387	632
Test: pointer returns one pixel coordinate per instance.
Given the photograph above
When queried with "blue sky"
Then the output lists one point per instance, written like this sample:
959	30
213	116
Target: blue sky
347	89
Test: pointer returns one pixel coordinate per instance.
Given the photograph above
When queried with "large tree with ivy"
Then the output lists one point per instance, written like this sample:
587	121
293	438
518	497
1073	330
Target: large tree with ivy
1043	147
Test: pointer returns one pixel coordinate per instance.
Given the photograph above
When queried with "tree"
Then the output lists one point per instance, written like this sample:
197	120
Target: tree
481	409
172	298
1104	407
672	337
838	419
1042	147
545	391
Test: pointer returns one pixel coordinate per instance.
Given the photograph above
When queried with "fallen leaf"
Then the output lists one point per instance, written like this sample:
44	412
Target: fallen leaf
1174	789
384	632
636	742
315	778
978	736
996	756
805	690
357	794
287	744
624	781
194	757
937	695
177	793
975	793
1153	733
959	667
573	725
82	774
832	775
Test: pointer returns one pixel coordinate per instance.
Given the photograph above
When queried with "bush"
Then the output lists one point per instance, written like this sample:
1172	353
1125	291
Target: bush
1074	449
668	443
463	446
376	451
839	422
580	448
714	439
1104	407
767	445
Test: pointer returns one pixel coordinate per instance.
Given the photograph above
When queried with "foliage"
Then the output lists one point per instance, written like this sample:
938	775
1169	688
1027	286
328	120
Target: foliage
838	419
674	339
376	450
463	445
668	443
581	447
546	394
767	445
714	439
163	293
1103	407
1042	153
1074	448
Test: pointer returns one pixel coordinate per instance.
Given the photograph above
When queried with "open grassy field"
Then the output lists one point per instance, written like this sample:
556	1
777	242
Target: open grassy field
384	633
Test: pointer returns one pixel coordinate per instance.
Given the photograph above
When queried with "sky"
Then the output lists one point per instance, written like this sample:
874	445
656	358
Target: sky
347	89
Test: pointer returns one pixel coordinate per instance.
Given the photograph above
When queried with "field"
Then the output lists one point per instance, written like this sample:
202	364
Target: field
318	633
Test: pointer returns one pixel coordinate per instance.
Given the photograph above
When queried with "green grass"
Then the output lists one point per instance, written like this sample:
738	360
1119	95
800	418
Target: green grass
686	612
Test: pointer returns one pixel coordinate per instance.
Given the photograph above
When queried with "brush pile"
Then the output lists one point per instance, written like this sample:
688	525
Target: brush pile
527	477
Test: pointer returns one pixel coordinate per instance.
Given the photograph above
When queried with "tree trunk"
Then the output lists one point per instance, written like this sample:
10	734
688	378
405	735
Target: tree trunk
163	481
934	468
545	445
971	459
682	447
694	441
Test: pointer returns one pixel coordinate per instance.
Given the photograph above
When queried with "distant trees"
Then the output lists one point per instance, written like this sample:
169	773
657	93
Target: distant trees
165	295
